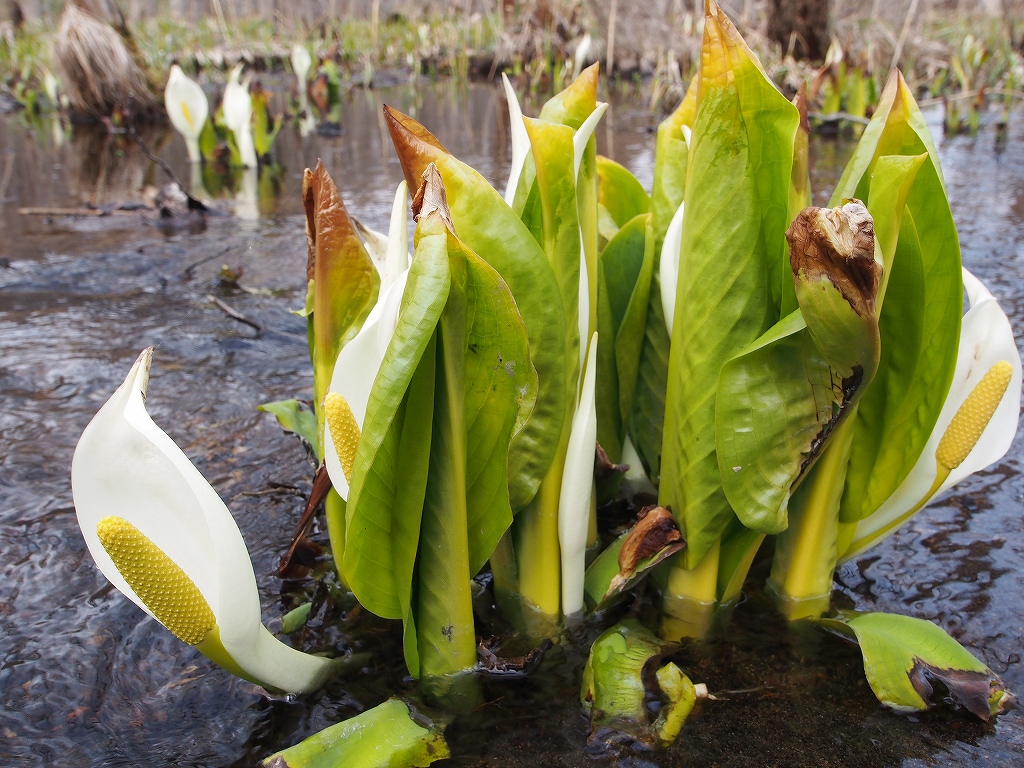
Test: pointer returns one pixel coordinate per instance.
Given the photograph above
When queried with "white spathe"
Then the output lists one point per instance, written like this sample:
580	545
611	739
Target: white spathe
390	253
986	338
576	493
356	369
301	63
668	266
126	466
237	106
187	109
520	140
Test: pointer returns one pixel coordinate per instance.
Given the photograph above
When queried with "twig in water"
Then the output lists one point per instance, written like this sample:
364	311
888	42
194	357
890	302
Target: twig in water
193	204
192	267
234	314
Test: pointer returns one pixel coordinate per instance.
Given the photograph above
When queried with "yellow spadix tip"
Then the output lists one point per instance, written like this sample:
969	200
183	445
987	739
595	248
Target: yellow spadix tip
344	430
973	416
159	582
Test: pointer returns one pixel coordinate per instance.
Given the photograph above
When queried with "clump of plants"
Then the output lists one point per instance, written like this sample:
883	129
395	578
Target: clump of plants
764	367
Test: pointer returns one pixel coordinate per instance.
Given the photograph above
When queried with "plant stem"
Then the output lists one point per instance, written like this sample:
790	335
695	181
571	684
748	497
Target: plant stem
806	552
691	597
538	555
334	511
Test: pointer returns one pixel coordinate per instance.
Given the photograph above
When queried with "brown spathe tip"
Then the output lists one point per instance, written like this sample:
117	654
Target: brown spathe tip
837	243
431	197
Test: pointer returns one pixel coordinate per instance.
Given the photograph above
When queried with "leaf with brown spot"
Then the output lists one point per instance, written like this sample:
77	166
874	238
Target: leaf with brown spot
904	657
652	540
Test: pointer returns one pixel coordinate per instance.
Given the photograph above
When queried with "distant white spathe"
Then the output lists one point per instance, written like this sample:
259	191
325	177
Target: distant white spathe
187	108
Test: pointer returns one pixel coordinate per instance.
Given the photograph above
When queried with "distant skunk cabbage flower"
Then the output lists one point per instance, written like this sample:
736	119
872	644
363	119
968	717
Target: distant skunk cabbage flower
359	361
301	62
976	425
187	109
237	107
161	534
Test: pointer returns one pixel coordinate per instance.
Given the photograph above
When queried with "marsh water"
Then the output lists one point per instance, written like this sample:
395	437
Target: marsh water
86	679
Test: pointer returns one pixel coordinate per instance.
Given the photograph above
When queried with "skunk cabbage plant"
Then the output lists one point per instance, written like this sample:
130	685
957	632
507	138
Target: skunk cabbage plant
237	109
187	108
161	534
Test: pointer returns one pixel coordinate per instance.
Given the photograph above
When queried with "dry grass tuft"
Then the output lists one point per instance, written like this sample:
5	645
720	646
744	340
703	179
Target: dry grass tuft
97	71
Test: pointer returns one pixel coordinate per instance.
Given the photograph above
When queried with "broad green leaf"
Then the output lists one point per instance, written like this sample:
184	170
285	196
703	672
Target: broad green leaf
295	417
620	196
491	229
437	481
733	255
483	374
805	554
551	146
572	107
344	279
574	104
389	474
921	314
386	736
670	155
780	400
647	417
904	657
626	265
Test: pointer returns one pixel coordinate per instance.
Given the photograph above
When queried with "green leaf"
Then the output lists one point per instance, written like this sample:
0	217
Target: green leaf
670	156
490	228
295	417
780	400
623	673
552	150
619	194
647	418
386	736
483	372
389	474
734	262
921	314
605	579
904	657
625	267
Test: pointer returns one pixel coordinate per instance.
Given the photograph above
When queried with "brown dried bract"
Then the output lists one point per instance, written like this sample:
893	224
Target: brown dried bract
416	146
604	469
968	689
321	486
431	197
327	220
838	243
655	530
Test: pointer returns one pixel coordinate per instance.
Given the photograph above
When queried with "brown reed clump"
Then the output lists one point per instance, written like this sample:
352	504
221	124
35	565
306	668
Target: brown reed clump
98	72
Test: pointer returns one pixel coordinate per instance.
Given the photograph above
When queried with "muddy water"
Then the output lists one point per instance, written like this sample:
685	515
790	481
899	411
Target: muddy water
87	679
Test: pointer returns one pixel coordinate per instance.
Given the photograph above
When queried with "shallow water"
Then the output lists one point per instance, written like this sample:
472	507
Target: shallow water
87	679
